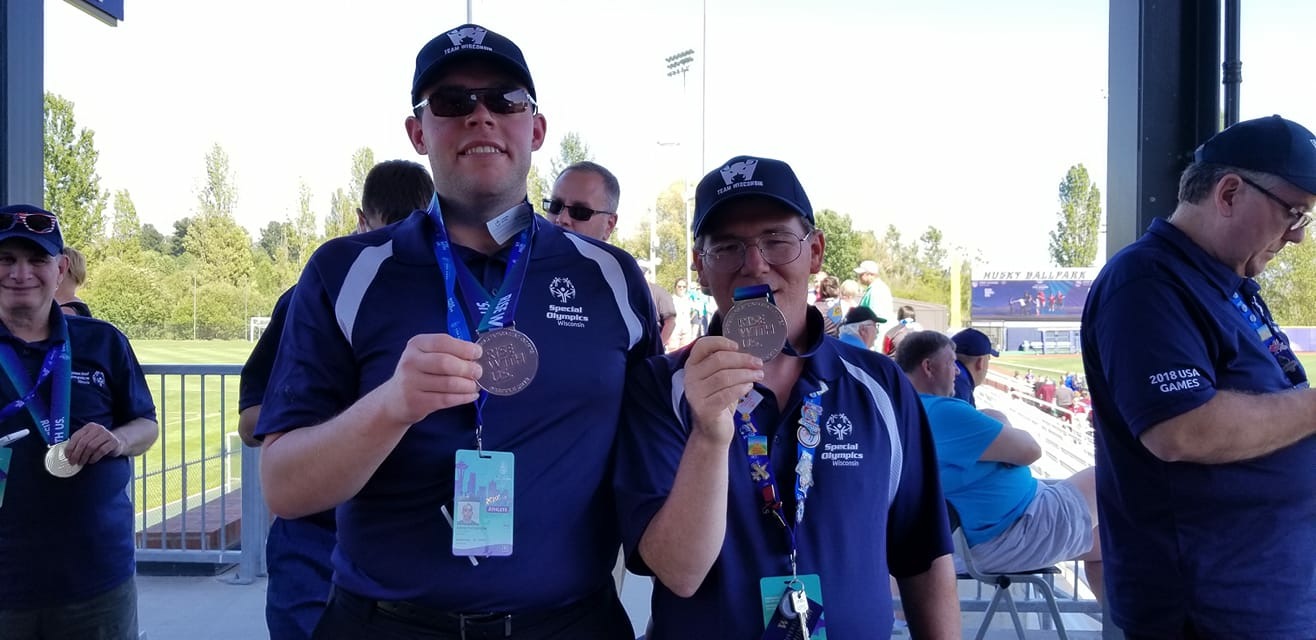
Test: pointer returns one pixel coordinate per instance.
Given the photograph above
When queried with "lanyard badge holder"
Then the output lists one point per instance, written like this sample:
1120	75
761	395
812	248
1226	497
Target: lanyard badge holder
792	605
483	486
1257	315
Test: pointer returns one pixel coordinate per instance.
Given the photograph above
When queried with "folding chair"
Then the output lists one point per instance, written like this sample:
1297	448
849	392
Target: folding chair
1003	581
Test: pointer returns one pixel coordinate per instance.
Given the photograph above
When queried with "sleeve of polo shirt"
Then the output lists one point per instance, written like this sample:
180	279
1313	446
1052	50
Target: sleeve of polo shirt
132	398
962	433
1155	360
642	300
917	529
256	372
649	448
314	376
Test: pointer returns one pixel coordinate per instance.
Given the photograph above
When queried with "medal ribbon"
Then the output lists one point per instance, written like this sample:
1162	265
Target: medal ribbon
1257	315
501	306
762	291
760	462
52	418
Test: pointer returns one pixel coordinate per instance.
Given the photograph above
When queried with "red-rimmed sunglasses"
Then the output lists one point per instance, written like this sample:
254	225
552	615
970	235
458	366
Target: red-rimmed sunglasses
35	222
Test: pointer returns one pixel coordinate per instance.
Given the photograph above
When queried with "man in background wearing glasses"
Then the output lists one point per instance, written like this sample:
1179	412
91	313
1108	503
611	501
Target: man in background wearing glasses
1204	416
716	438
585	200
379	401
66	519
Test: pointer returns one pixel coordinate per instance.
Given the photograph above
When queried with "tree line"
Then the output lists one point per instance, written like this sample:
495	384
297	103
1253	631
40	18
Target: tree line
206	277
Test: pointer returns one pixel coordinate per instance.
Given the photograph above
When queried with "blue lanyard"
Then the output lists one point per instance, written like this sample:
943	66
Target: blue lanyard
499	308
52	418
760	462
1258	317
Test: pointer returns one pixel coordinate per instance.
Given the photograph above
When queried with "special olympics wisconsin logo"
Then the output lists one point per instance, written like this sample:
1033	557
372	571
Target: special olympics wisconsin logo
839	426
742	171
562	289
467	35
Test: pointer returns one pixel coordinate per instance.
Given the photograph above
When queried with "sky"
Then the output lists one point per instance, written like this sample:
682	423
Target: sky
959	114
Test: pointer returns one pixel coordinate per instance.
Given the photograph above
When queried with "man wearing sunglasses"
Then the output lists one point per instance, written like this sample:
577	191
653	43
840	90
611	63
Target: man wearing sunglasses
585	199
66	520
1203	414
379	403
715	439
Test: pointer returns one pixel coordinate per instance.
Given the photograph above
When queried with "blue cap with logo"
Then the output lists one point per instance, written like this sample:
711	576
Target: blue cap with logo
1269	145
466	42
34	224
972	342
749	176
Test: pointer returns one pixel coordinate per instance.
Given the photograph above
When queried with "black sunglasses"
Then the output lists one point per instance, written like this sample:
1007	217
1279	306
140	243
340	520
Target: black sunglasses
577	212
35	222
454	102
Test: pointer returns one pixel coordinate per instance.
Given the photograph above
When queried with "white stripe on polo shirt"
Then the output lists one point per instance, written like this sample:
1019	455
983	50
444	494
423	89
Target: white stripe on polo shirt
884	408
678	391
358	280
616	280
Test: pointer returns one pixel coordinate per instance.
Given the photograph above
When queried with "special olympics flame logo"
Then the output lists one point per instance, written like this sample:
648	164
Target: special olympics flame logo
839	426
562	289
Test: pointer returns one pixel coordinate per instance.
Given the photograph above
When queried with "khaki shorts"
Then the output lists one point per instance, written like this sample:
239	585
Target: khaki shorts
1056	527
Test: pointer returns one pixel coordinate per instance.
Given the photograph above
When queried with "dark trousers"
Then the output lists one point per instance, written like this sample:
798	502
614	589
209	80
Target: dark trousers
109	616
297	553
351	617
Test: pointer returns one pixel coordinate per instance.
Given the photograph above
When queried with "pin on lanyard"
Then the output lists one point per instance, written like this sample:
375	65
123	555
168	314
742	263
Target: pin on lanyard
1257	315
500	308
808	435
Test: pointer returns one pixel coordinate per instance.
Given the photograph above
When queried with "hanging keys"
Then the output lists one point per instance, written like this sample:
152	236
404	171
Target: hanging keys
800	605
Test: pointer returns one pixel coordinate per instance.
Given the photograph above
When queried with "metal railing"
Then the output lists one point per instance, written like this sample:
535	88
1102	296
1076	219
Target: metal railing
196	493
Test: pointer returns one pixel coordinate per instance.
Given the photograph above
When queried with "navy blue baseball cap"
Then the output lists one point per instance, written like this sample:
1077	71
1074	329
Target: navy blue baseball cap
15	217
463	43
1269	145
749	176
972	342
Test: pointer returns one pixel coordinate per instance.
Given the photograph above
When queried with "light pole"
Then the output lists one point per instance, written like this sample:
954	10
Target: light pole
679	63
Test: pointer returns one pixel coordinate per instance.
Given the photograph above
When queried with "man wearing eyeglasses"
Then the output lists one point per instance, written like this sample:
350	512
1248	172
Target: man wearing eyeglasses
585	198
1204	416
716	438
470	354
73	383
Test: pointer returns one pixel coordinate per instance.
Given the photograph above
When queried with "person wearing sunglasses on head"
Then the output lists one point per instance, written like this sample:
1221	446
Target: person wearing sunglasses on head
1203	414
66	519
585	198
728	440
473	353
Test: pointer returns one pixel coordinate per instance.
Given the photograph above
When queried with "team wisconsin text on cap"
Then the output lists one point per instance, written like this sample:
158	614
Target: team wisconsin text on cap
1269	145
466	42
749	176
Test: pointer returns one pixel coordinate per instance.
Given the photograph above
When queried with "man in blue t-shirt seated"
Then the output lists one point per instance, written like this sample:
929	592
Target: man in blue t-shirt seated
1011	521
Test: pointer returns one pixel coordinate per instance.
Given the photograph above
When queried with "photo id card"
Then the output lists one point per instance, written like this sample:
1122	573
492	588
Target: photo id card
775	624
6	454
482	499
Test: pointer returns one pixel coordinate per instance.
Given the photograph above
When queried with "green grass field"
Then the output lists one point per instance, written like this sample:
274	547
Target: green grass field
1054	365
195	412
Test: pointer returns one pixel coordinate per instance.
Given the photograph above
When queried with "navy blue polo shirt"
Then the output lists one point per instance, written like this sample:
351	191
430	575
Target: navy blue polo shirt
588	309
1230	547
964	383
876	508
63	540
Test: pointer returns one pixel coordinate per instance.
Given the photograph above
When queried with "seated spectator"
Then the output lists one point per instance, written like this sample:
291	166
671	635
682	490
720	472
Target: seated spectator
860	327
905	325
66	294
1011	521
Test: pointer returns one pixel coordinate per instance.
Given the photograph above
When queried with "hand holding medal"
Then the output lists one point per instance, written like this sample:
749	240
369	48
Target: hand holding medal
717	376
